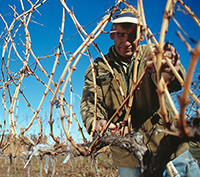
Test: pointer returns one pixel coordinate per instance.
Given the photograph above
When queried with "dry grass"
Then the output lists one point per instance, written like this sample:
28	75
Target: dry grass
195	152
75	167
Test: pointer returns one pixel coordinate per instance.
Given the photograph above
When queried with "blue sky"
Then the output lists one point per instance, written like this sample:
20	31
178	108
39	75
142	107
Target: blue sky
45	30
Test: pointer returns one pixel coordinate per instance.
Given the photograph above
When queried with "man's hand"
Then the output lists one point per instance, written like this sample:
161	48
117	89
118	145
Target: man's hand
170	52
100	124
122	131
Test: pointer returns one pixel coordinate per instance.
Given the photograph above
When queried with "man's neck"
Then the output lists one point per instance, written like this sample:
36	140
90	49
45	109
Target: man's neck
121	58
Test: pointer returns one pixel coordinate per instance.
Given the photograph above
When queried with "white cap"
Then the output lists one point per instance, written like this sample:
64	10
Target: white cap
126	15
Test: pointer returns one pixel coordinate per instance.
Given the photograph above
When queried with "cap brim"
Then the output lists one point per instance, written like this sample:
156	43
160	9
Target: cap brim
125	20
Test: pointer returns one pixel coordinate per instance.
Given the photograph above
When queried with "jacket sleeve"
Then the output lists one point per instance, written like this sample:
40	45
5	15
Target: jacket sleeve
88	101
174	85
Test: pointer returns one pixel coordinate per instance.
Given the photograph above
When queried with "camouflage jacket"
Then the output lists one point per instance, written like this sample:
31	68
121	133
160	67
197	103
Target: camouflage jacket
111	91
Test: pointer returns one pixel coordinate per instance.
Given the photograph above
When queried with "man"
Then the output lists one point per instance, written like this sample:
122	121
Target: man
144	114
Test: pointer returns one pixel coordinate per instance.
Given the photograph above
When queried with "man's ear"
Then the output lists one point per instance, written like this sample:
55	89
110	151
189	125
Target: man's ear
112	36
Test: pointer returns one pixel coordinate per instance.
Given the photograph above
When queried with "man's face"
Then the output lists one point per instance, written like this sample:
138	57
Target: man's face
125	40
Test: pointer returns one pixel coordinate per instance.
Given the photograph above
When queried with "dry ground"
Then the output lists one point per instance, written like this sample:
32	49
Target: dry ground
75	167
